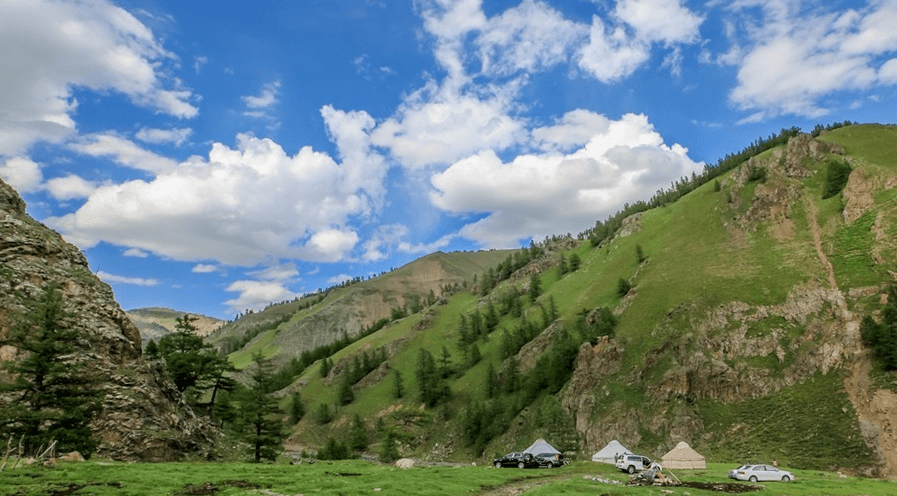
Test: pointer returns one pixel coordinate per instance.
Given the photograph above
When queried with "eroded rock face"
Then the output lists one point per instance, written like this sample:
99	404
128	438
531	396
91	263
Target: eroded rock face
143	416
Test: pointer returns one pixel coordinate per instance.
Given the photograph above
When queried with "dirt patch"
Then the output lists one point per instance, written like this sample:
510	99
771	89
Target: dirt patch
74	488
723	487
875	409
209	488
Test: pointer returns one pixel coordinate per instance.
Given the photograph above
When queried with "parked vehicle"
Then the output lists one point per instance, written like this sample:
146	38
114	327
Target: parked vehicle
550	460
633	463
756	473
516	459
735	471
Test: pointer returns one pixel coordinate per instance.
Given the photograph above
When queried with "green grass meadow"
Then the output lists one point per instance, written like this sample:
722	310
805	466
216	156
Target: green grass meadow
365	478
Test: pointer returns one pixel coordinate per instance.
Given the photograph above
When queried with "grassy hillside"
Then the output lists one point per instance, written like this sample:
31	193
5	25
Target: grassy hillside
738	335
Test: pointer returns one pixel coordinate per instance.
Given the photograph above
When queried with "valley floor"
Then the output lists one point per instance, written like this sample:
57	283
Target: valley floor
357	477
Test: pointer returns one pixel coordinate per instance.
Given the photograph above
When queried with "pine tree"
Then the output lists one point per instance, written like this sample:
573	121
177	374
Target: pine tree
535	287
297	409
398	386
192	364
260	416
358	436
346	395
389	453
575	262
55	397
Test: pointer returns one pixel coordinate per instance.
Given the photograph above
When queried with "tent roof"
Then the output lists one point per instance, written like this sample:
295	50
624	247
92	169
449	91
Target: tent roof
612	449
541	446
682	451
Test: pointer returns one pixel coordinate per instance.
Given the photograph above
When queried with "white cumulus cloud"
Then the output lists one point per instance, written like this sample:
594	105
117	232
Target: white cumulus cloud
23	174
794	59
241	206
117	279
84	43
537	195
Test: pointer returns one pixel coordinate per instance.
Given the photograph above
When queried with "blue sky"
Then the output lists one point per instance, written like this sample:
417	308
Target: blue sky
215	156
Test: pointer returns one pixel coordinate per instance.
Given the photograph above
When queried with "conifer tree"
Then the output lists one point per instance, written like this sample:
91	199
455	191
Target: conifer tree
398	386
260	416
358	436
535	287
55	398
297	409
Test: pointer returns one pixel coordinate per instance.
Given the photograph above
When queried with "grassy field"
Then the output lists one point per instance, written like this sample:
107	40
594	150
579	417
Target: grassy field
364	478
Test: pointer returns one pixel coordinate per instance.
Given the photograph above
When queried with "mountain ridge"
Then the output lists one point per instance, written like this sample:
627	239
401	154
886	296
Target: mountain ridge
748	295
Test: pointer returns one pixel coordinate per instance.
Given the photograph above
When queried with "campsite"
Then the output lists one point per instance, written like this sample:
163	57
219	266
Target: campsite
358	477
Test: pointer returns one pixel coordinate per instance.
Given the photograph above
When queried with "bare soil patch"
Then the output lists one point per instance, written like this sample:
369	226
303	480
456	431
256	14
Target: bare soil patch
723	487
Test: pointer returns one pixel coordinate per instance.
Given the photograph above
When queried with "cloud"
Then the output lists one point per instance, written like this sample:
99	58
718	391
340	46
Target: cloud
529	37
136	281
85	44
123	151
175	136
255	295
621	44
572	130
339	279
537	195
70	187
22	174
279	272
257	105
204	269
135	253
794	60
438	126
389	235
240	206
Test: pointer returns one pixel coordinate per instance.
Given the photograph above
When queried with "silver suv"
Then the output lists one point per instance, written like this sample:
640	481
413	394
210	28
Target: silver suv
632	463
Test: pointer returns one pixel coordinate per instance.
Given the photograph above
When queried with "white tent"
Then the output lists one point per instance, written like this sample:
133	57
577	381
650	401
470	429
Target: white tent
541	446
683	456
608	453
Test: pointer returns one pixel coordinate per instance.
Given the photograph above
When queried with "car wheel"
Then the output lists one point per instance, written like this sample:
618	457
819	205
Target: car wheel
631	469
521	465
753	478
785	478
497	464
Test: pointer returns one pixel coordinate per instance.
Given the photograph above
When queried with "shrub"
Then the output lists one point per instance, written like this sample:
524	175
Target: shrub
837	173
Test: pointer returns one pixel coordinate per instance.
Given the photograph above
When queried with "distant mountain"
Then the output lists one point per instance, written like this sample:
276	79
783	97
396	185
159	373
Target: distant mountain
737	306
283	331
155	322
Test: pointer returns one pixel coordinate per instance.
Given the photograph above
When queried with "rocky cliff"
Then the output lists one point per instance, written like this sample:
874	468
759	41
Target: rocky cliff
143	416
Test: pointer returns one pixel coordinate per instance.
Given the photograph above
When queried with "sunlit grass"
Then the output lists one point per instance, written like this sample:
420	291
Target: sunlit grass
355	477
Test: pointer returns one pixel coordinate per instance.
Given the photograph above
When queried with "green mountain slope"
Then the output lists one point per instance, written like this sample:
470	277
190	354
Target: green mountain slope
284	331
739	333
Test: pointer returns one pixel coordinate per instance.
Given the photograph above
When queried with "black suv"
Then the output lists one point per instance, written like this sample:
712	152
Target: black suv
516	459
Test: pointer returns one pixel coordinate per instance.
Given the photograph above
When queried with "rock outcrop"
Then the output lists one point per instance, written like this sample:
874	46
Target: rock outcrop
143	416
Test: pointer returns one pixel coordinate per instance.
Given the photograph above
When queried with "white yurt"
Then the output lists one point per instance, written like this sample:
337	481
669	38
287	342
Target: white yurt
541	446
609	453
683	456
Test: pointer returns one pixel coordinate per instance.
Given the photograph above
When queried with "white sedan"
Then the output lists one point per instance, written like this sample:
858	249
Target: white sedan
756	473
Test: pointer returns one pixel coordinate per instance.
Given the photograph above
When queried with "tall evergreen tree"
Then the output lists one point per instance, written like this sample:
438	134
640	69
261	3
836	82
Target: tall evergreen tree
346	395
260	416
192	364
297	408
398	385
535	287
358	435
55	398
